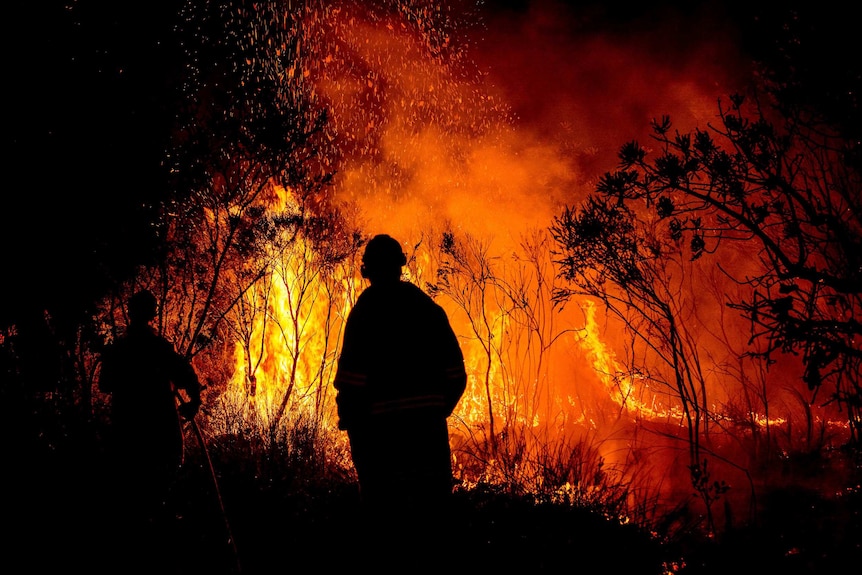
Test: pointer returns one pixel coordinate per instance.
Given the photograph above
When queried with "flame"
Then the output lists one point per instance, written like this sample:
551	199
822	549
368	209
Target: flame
288	327
429	144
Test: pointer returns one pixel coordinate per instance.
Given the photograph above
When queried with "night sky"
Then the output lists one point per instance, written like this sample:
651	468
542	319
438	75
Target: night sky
84	92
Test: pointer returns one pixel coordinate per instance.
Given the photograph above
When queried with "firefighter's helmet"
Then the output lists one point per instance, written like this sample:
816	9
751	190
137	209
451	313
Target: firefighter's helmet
383	255
142	306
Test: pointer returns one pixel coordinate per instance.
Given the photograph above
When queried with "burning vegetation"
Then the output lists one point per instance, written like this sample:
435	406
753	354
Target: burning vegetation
656	325
656	335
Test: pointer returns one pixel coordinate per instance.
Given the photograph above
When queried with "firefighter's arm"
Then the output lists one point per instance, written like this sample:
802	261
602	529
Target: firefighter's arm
186	379
352	397
107	377
188	408
454	371
456	384
351	376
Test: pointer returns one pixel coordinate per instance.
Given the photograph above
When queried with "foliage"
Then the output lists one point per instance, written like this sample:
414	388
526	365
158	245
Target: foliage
787	191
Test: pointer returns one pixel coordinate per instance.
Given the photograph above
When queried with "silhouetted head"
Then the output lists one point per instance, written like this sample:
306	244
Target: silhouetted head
142	307
383	259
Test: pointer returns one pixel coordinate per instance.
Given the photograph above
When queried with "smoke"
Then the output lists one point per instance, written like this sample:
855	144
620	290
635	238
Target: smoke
595	80
491	124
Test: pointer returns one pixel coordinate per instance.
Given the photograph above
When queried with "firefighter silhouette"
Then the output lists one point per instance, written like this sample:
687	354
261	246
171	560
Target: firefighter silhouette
400	375
143	373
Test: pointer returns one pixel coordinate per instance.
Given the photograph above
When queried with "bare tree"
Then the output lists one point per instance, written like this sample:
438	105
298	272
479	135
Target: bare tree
466	276
506	303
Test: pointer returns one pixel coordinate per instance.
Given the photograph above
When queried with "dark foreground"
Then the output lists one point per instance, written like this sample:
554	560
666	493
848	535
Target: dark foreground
248	521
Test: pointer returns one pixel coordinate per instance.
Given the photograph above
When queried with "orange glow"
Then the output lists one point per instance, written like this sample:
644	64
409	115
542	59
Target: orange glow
491	157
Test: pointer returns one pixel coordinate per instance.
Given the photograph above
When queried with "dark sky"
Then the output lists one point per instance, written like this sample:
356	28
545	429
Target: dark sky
85	130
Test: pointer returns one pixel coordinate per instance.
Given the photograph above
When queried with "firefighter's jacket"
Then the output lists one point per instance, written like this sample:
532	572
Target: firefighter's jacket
399	356
141	371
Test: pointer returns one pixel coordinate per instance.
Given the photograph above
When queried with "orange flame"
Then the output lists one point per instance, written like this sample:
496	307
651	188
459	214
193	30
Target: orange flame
429	148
